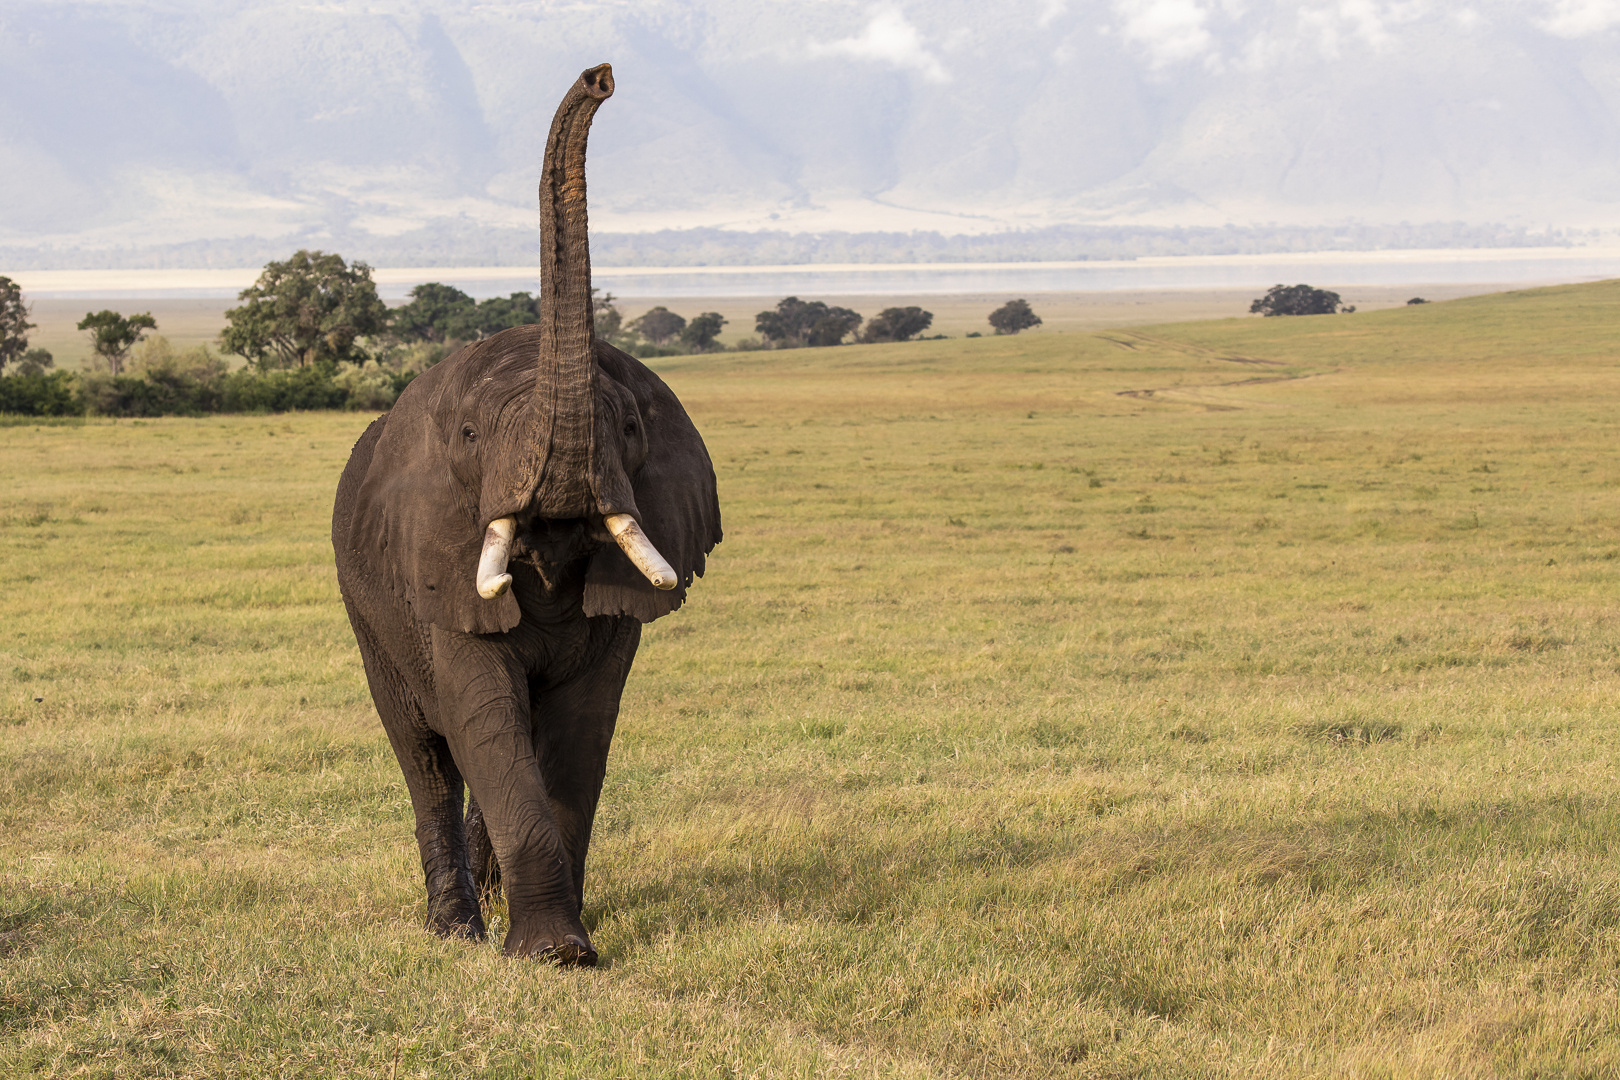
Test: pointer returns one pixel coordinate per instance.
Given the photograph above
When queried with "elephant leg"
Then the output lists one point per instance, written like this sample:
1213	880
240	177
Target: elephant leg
486	868
484	716
436	790
573	728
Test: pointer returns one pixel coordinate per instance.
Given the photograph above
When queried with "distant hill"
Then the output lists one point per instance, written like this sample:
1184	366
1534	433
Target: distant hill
147	131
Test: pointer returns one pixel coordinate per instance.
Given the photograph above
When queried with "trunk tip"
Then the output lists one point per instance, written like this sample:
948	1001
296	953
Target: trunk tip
598	81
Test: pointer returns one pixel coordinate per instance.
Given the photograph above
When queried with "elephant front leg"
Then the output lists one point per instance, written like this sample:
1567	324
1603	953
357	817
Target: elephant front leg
436	795
573	724
436	792
484	713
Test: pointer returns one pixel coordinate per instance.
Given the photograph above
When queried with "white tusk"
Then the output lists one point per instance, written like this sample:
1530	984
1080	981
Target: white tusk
635	544
493	580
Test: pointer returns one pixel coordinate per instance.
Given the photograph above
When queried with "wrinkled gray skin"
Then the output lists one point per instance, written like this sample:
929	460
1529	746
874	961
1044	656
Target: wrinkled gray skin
517	697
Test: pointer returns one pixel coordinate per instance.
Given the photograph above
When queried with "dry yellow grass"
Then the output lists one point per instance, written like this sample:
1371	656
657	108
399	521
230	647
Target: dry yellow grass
1028	724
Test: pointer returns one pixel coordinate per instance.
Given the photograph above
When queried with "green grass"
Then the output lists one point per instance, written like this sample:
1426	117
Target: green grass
1219	699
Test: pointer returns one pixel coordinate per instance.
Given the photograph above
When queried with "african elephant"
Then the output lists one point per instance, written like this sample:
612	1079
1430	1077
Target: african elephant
501	535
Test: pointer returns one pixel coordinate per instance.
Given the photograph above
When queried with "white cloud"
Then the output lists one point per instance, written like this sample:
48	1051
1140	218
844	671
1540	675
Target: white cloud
1366	19
888	39
1170	31
1577	18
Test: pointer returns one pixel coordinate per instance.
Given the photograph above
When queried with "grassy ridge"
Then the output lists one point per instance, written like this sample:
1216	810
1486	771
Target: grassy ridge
1216	699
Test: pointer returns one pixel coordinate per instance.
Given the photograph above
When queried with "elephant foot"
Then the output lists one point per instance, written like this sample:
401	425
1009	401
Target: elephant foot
456	923
459	931
565	948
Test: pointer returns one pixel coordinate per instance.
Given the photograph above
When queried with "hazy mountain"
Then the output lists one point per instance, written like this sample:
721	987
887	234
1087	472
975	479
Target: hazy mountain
415	127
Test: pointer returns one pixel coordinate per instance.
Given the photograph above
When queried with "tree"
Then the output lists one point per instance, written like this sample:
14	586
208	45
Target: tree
34	362
604	309
700	333
798	322
1416	300
14	324
833	327
496	314
312	308
1296	300
897	324
112	335
432	308
1013	316
658	325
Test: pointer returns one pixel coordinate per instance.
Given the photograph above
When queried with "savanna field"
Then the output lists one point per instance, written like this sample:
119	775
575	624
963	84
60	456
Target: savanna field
1224	699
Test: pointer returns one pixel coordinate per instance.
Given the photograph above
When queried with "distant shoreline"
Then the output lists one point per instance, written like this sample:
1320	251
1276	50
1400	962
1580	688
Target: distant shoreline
1415	266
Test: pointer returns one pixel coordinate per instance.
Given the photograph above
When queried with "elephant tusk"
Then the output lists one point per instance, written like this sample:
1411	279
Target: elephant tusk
493	580
635	544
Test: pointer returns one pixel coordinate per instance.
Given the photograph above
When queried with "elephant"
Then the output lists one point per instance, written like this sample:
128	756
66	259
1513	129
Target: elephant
501	535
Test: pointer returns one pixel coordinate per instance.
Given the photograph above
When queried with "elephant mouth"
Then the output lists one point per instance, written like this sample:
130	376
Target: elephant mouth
493	580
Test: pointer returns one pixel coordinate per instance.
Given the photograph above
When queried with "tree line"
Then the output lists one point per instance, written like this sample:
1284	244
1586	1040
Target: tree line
316	335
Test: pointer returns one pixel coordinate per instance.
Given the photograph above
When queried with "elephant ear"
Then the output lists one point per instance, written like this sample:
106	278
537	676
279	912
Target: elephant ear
415	520
675	497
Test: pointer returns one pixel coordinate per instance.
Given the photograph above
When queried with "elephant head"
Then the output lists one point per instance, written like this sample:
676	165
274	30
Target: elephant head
487	452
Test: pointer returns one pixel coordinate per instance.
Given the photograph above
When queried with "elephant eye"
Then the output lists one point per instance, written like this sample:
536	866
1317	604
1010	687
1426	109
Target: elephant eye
630	429
468	433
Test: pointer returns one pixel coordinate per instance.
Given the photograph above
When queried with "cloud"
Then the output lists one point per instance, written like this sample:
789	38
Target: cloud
888	39
1578	18
1170	31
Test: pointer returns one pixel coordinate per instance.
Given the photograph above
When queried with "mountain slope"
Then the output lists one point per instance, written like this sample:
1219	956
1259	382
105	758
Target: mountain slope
144	122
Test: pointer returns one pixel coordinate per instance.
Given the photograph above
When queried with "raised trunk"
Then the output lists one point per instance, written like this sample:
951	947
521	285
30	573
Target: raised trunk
565	385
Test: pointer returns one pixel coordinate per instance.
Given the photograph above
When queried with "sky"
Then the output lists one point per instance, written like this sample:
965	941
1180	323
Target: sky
145	122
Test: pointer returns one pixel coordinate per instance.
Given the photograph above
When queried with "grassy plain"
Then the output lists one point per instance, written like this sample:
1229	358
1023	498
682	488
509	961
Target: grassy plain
188	321
1218	699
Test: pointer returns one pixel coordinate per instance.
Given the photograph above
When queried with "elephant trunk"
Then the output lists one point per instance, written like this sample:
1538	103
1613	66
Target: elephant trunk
565	384
561	462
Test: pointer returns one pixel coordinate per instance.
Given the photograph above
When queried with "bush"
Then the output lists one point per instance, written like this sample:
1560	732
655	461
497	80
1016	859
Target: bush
40	394
642	350
138	395
283	391
421	356
165	382
370	386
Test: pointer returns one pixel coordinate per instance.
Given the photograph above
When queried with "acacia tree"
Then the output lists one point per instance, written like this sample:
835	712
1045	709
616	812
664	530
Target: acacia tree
806	322
897	324
700	333
14	324
502	313
429	314
1296	300
112	335
1013	316
310	309
659	325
